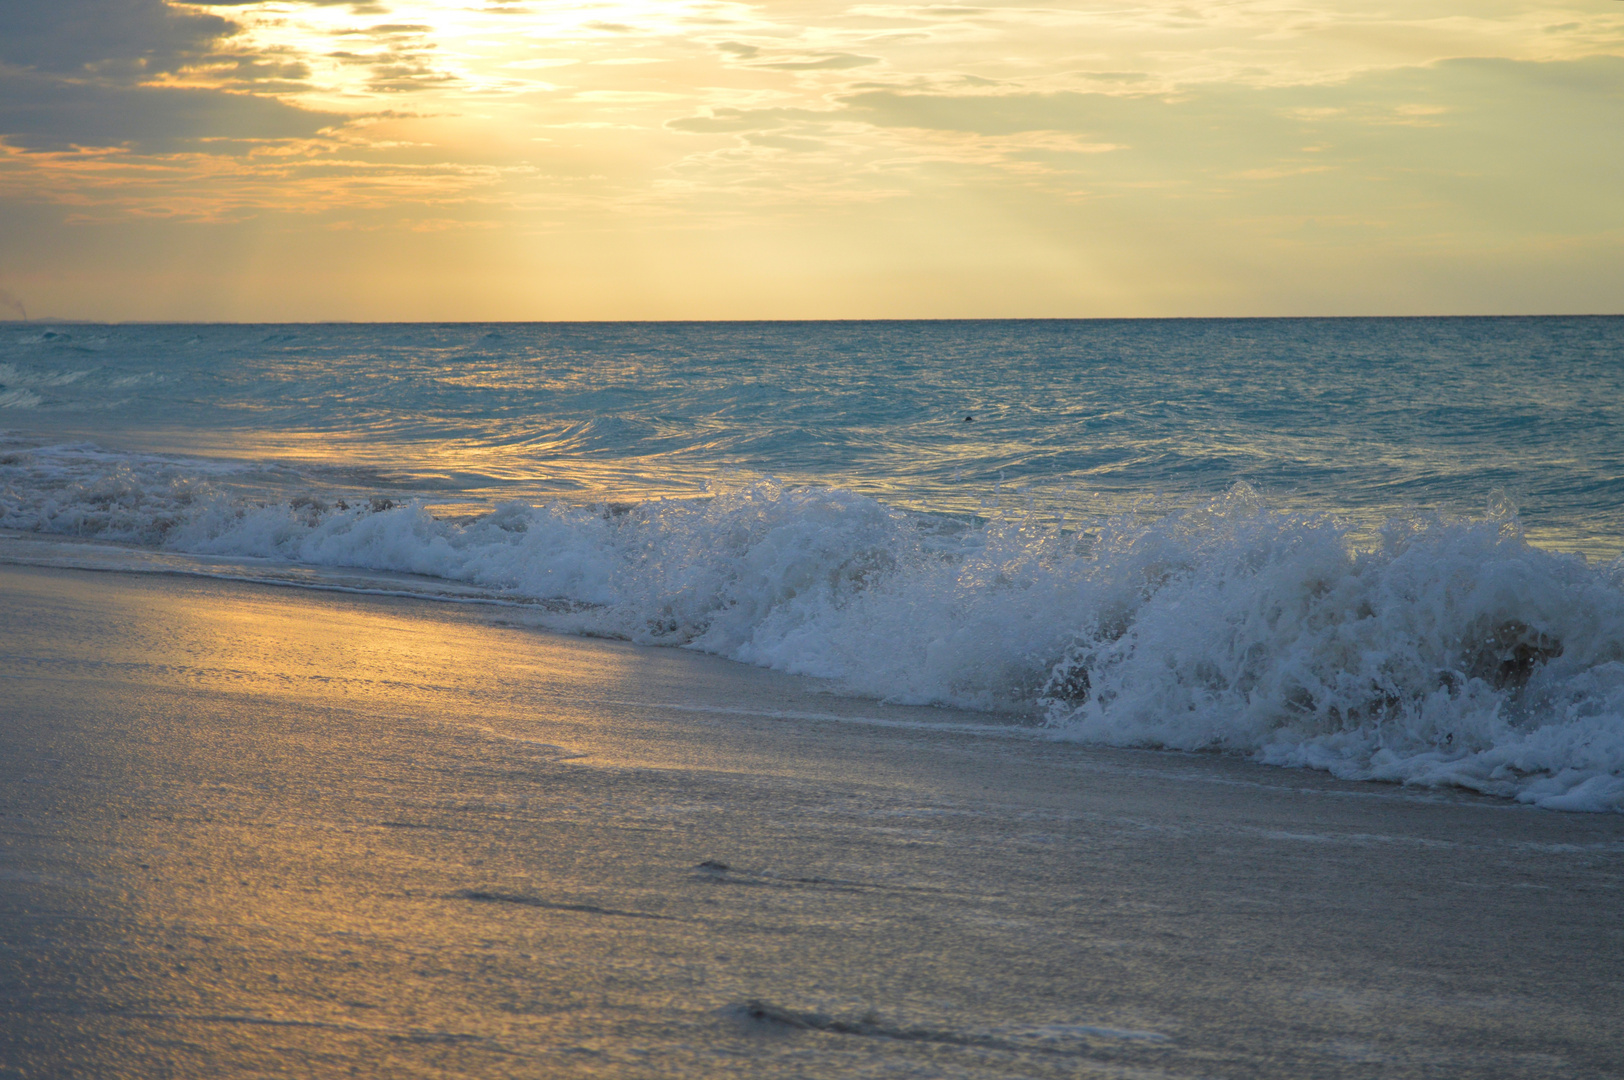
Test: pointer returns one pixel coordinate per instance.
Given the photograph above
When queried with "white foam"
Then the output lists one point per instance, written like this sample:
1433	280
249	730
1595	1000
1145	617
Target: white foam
1455	653
18	397
13	376
1451	653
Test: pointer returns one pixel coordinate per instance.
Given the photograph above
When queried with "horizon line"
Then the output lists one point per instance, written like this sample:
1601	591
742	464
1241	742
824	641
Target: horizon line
53	320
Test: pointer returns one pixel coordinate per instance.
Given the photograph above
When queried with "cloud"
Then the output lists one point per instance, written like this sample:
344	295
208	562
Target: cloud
832	62
785	142
1115	76
1477	96
360	7
1509	146
401	57
994	114
112	40
725	120
81	75
624	97
1072	124
45	114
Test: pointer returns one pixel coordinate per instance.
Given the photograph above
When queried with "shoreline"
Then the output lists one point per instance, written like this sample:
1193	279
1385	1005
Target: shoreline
253	829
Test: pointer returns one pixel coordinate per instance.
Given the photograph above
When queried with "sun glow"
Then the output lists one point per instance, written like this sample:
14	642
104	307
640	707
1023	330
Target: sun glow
372	53
1247	156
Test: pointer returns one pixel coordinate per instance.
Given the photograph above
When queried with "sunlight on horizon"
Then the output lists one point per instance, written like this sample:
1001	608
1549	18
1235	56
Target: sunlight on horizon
381	159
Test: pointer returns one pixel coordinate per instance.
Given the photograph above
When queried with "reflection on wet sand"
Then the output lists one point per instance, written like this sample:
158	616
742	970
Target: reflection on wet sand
253	831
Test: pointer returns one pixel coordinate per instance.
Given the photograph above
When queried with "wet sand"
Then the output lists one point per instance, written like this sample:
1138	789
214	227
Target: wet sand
251	831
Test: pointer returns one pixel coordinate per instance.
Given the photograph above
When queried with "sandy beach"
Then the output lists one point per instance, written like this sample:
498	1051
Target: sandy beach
732	541
256	831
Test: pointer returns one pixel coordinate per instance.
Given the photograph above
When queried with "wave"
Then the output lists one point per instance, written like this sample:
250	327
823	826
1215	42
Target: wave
1447	652
18	398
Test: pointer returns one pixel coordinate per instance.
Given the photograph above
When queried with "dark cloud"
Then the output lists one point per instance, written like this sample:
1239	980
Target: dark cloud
80	60
77	69
44	114
110	40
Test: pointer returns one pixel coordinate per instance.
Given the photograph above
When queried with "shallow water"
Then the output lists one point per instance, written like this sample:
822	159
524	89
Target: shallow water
1387	548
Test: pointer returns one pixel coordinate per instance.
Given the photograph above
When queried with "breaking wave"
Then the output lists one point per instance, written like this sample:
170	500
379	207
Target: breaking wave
1446	652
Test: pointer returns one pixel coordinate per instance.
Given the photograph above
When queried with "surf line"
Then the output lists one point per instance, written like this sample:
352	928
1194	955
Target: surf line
1003	730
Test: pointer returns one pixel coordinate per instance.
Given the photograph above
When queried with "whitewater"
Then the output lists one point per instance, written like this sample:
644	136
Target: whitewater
1388	549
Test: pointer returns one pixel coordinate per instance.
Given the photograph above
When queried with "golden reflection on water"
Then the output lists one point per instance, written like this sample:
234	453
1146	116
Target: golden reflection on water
360	837
303	790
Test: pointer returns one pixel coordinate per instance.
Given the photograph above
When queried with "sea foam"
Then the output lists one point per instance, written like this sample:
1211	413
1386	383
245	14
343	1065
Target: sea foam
1448	652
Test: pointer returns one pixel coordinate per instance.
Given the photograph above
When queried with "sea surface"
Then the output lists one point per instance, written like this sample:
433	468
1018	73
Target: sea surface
1388	548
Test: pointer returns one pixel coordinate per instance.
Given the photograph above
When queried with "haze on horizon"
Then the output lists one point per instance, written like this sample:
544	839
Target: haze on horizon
628	159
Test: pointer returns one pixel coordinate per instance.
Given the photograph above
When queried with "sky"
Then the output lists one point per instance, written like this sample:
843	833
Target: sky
692	159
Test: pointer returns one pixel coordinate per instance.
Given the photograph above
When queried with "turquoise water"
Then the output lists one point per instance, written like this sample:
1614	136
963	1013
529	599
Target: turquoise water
1363	417
1384	547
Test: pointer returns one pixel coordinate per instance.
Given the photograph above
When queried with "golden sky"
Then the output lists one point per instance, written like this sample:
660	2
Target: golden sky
526	159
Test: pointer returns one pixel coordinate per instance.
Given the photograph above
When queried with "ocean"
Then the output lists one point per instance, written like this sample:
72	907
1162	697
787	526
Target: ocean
1385	548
